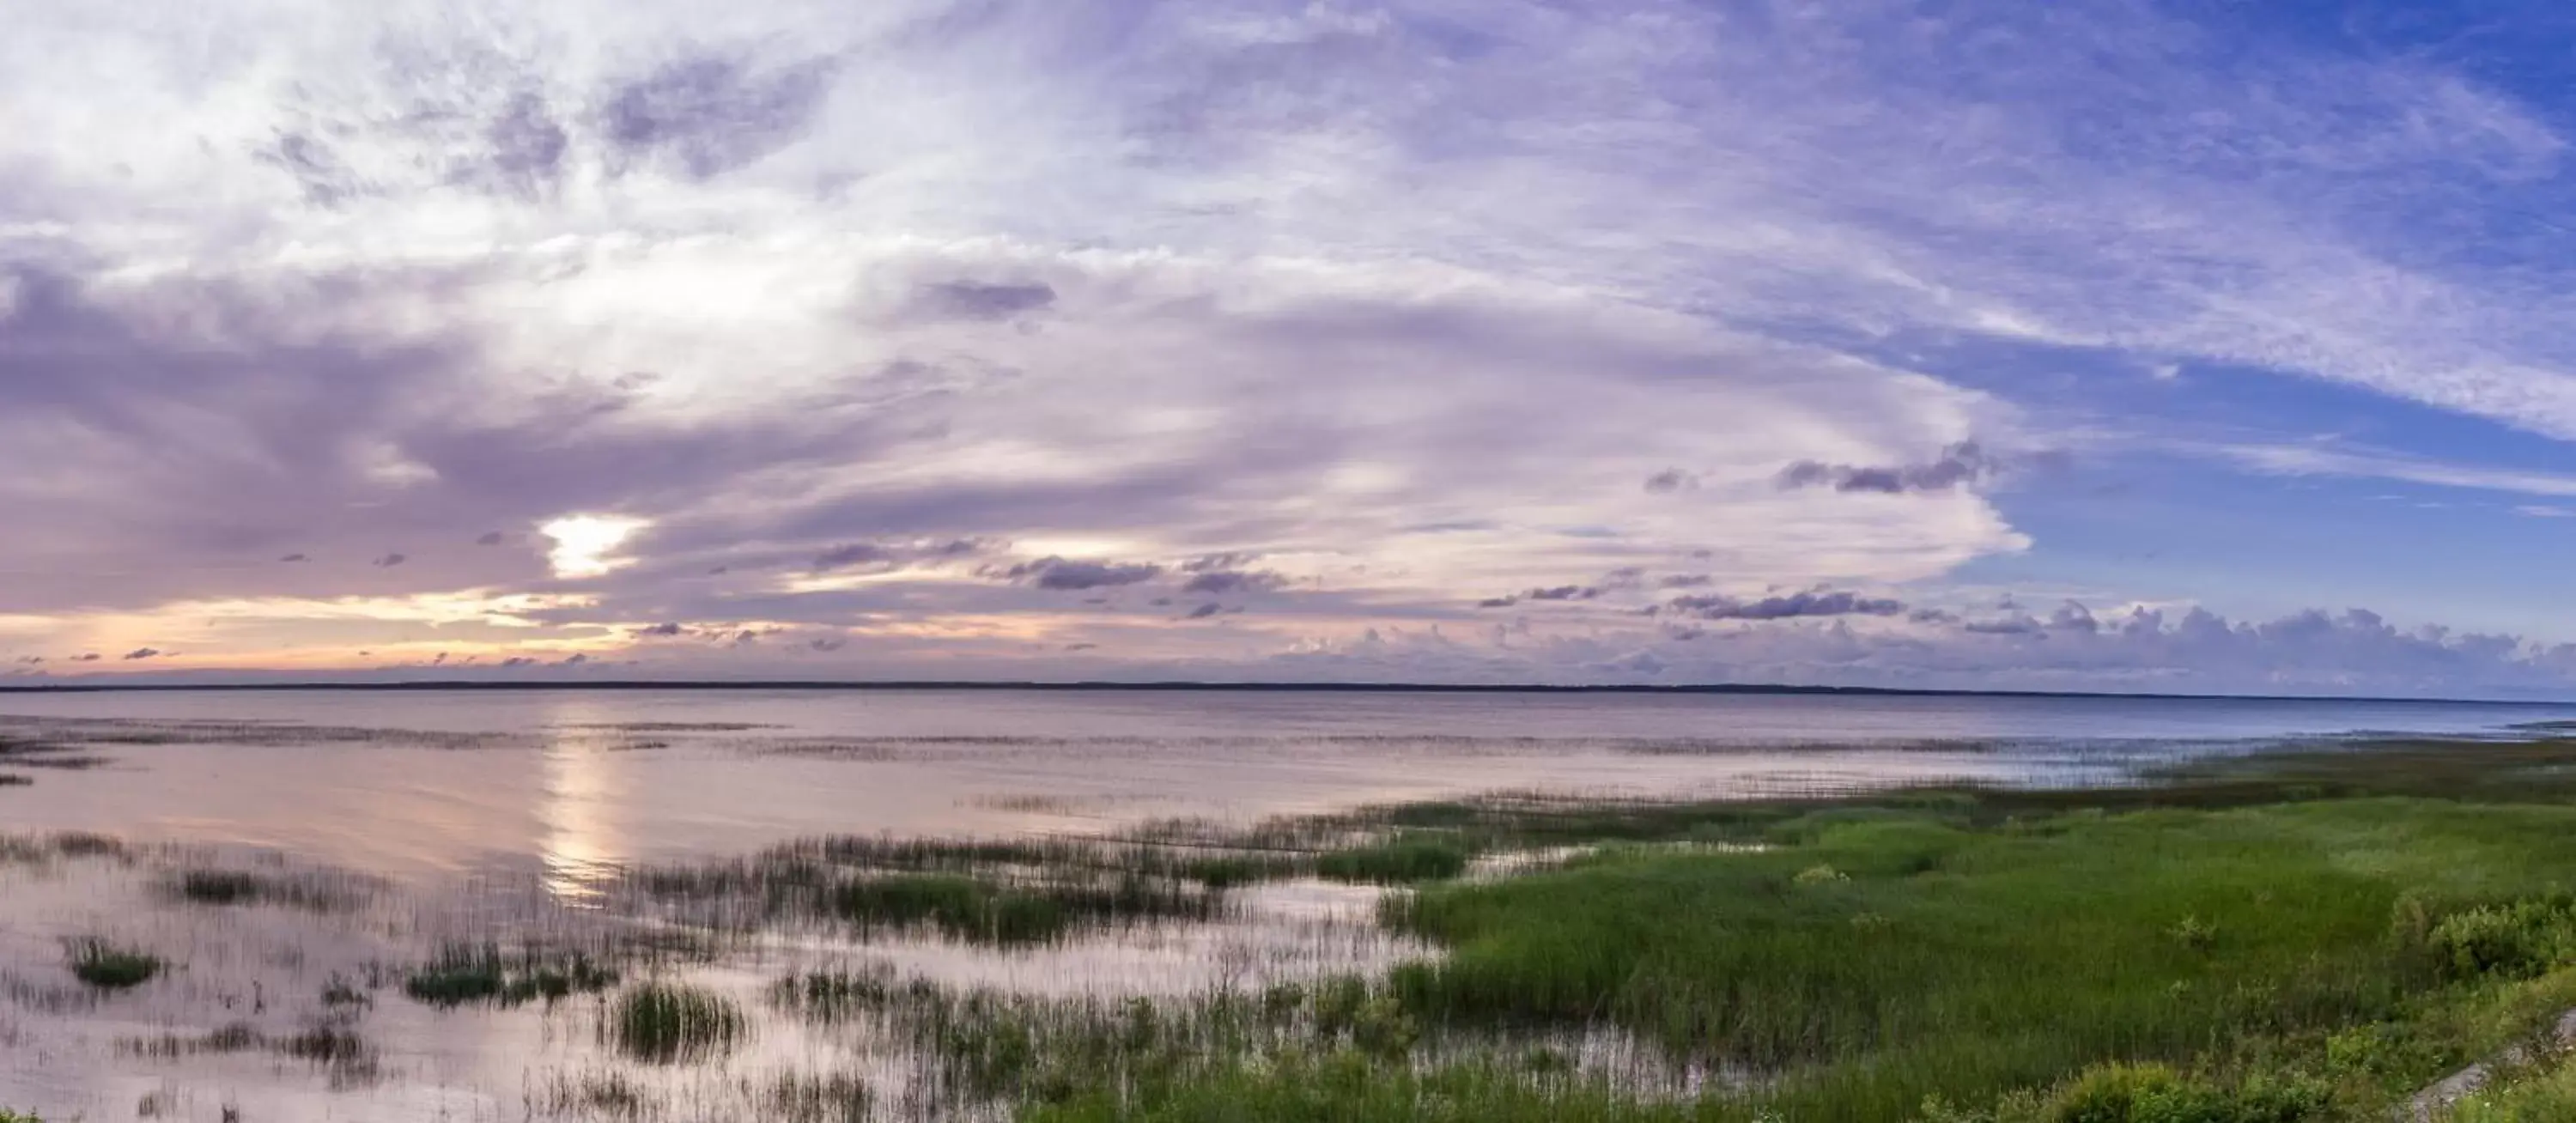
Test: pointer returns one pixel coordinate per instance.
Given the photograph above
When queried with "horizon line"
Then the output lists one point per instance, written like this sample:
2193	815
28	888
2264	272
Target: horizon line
1189	686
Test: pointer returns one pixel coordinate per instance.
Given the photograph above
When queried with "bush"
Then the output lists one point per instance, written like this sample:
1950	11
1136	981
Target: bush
2521	940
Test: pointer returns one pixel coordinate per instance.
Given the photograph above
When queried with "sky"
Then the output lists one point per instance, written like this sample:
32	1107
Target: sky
2192	346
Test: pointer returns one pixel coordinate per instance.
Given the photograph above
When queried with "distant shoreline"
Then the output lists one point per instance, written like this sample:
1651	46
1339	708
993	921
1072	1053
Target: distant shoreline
1241	688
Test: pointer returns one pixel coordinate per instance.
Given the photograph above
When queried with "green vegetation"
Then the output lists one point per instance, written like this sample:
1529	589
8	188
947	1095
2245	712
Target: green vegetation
1937	957
463	974
8	1116
665	1023
972	909
816	1099
108	967
1403	858
320	893
1026	891
2288	938
2547	1095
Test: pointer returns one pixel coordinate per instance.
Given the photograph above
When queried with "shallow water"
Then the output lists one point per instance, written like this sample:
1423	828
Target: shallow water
409	784
507	817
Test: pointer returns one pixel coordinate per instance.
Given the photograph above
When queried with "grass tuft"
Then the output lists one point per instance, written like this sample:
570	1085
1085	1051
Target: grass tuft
107	966
665	1023
1402	859
465	973
316	891
841	1098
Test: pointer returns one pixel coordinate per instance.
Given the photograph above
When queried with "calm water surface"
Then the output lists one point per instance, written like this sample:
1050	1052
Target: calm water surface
406	783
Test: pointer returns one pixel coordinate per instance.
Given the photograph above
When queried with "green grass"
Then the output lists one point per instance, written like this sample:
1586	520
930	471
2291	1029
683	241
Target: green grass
107	966
973	909
1343	1087
2292	939
462	974
1407	857
1945	958
666	1023
2547	1095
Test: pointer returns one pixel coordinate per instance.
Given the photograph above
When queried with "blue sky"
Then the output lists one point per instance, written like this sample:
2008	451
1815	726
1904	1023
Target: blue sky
2099	345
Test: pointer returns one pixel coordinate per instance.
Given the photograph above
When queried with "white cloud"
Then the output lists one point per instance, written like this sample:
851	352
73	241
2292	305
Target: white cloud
1415	297
2332	460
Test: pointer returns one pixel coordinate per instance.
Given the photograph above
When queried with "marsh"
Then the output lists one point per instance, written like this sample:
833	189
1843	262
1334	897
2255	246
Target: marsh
707	905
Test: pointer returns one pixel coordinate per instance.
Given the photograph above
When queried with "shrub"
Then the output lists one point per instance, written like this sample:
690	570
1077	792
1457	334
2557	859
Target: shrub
2520	940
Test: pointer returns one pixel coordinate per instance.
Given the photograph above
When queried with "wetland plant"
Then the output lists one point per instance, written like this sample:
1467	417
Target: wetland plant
315	891
464	973
841	1098
972	909
605	1095
107	966
665	1023
1399	860
339	992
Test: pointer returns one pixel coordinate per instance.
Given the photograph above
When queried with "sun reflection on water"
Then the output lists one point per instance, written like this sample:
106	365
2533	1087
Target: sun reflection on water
582	848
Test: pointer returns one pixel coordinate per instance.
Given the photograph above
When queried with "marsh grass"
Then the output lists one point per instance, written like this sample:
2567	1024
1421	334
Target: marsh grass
2300	937
990	893
463	974
1403	859
1880	955
235	1037
996	1047
667	1023
335	1047
42	849
23	753
107	966
596	1095
1030	891
794	1098
339	992
317	892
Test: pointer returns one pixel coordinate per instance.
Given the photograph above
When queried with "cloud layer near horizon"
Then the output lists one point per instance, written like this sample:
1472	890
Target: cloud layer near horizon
1212	339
